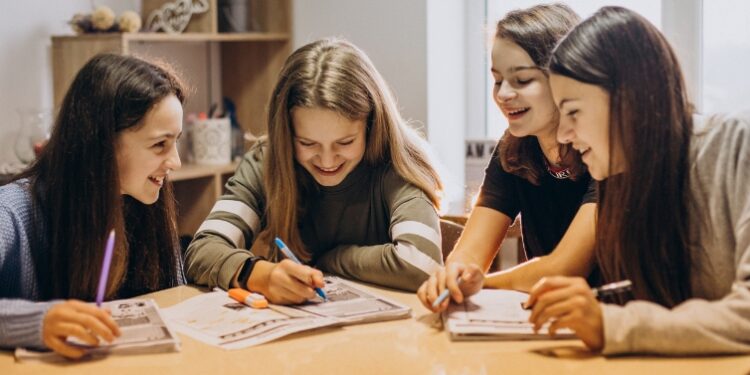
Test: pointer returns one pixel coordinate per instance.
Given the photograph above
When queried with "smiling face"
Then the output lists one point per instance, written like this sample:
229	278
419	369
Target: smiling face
584	122
147	152
326	144
521	90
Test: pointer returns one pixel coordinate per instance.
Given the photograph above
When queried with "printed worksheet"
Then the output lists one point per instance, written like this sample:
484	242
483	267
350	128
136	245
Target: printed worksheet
142	327
494	314
350	304
214	318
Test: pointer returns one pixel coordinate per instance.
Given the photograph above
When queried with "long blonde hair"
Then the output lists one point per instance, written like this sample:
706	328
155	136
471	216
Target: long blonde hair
336	75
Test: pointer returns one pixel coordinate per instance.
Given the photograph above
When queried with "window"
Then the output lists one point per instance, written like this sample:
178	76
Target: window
726	53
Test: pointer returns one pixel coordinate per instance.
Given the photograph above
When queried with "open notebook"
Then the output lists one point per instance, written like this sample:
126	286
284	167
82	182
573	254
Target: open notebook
216	319
142	327
494	314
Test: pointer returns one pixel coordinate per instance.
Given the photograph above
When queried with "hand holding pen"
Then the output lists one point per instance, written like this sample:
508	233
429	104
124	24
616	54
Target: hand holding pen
569	302
80	320
310	282
456	279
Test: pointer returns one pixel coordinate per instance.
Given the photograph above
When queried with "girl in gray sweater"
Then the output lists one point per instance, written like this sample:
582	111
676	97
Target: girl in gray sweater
674	214
105	167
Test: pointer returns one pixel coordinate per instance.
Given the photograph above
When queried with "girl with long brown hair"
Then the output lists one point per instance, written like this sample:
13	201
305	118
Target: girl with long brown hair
105	167
341	177
530	173
674	214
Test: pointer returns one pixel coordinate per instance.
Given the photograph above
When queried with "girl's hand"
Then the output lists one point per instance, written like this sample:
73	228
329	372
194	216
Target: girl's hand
288	282
567	302
78	319
471	276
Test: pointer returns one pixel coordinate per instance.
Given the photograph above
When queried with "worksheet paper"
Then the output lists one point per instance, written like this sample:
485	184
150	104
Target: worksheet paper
216	319
494	314
143	330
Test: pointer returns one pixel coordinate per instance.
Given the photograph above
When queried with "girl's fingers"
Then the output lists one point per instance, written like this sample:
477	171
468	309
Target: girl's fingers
432	287
549	298
102	315
59	347
558	309
77	331
91	320
565	321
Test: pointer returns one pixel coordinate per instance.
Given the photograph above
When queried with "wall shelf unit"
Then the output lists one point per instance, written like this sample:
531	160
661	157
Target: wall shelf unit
241	66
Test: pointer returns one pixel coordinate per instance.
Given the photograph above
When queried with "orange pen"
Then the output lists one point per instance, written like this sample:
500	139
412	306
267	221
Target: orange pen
254	300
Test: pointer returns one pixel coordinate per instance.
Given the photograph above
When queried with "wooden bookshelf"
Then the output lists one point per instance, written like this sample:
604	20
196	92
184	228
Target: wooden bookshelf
240	66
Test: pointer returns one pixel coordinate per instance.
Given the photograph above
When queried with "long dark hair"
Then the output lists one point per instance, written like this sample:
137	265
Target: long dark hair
536	30
642	226
75	185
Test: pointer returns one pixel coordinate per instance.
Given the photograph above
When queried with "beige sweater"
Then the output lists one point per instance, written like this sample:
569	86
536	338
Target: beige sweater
717	319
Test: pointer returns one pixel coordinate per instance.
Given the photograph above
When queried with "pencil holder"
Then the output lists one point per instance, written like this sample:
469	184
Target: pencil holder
212	143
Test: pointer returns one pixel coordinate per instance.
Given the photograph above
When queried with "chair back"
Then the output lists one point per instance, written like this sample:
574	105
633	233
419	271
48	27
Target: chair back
450	232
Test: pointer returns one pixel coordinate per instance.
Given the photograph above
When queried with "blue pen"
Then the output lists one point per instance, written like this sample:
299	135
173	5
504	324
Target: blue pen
289	254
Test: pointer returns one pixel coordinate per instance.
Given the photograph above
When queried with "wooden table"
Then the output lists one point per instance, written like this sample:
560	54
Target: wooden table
408	346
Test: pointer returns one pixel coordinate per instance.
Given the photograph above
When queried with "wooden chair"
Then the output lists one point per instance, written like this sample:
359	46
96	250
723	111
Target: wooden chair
450	232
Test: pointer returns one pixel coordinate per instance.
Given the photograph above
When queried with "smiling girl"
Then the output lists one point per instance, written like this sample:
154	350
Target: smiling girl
105	166
674	216
529	173
341	178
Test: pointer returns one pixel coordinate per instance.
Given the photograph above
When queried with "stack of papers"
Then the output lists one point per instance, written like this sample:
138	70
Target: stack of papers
494	314
214	318
142	327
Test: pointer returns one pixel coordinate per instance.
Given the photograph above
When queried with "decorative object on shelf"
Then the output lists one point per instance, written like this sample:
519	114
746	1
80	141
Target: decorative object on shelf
174	17
233	17
211	140
103	19
33	133
129	22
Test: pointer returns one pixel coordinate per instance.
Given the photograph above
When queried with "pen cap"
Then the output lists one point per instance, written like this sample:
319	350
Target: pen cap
238	294
249	298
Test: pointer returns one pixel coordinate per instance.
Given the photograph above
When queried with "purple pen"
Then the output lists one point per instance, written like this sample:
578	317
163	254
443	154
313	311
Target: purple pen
105	268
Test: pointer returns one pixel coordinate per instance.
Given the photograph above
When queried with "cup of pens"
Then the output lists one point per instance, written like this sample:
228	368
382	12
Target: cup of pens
211	141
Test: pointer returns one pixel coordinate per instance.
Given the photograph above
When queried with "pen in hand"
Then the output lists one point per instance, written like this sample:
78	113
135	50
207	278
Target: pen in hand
602	291
289	254
445	294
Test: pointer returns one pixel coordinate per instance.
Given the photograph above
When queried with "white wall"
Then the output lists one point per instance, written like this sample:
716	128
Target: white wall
418	47
391	32
25	57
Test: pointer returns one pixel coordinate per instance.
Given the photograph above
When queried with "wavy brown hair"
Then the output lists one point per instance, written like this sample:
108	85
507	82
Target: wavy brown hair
642	225
334	74
75	185
536	30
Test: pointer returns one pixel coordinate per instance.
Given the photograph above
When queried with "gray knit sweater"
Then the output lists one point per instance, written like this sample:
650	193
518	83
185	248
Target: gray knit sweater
20	317
21	230
717	319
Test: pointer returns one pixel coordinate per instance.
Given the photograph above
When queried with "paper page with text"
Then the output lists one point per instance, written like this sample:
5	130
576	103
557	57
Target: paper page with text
143	330
350	304
214	318
494	314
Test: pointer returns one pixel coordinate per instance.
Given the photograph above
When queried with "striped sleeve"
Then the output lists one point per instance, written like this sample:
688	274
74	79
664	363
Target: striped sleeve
220	245
414	252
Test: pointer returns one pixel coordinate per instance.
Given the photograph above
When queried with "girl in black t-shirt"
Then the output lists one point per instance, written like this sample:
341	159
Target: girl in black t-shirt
530	173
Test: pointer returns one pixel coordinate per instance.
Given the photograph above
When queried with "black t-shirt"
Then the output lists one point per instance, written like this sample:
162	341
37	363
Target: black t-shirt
546	209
